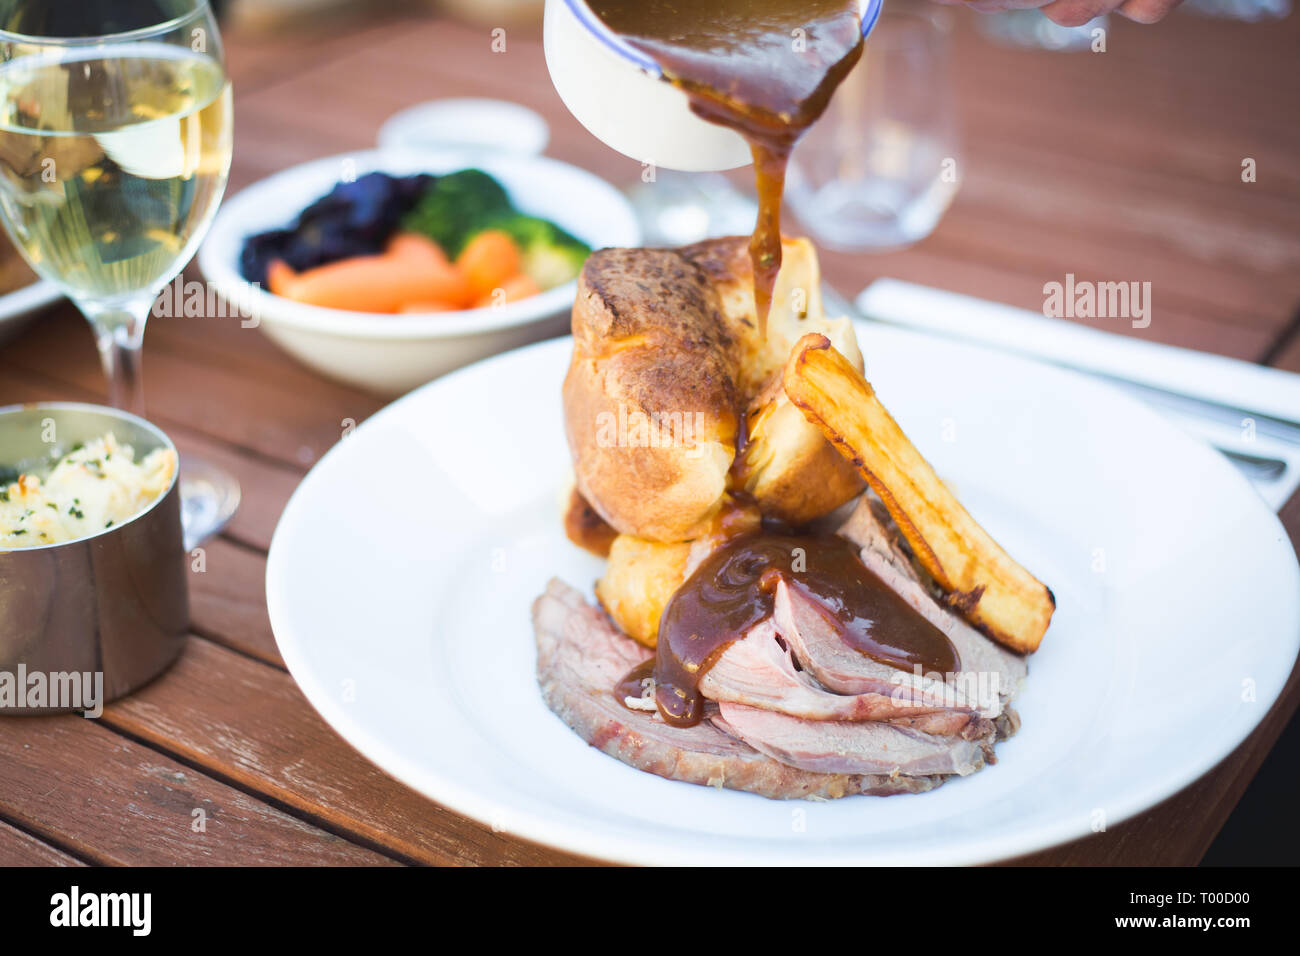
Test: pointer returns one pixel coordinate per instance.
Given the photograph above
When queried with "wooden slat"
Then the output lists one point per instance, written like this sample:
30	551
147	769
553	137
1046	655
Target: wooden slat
235	343
1230	270
249	723
1288	352
114	801
1178	98
260	53
22	849
185	388
225	599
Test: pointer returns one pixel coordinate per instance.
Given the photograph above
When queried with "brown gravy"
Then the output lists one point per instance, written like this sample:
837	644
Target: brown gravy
586	528
734	589
764	68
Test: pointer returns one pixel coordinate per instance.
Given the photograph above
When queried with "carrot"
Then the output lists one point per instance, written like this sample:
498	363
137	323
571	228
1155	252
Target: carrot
447	285
280	277
512	290
488	260
361	283
412	274
381	283
414	247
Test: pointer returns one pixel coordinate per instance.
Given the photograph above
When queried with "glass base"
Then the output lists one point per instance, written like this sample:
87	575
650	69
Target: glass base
209	499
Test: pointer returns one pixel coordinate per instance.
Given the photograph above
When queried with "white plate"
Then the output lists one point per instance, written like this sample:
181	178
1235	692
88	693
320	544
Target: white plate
17	307
404	615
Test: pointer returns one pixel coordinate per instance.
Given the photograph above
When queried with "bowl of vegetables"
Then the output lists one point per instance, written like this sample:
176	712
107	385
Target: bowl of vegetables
386	268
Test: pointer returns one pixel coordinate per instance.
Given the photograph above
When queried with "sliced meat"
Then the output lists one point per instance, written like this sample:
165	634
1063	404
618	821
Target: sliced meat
758	671
872	530
988	675
580	656
822	651
865	747
576	642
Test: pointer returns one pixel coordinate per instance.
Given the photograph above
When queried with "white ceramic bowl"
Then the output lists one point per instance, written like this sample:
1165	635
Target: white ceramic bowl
391	354
617	93
468	123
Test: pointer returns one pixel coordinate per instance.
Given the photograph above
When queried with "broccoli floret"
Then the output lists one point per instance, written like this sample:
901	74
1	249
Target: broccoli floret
456	206
550	255
8	475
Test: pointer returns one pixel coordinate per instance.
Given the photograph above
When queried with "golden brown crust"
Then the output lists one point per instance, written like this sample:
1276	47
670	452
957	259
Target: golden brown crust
640	578
667	356
650	401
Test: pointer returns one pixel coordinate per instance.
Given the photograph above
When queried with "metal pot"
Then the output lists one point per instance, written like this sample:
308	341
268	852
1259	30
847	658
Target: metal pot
114	603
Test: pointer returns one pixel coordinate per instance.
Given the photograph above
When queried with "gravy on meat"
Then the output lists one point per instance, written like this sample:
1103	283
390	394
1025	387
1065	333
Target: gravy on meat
734	588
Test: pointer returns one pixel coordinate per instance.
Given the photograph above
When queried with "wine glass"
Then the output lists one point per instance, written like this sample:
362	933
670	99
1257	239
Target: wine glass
115	141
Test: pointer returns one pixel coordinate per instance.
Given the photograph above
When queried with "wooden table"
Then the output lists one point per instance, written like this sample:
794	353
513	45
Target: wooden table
1111	166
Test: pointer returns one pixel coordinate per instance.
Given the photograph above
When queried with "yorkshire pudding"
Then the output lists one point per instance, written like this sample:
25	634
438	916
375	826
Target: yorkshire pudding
673	399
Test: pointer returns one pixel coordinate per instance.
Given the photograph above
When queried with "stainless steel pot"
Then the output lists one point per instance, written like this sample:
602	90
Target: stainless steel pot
114	603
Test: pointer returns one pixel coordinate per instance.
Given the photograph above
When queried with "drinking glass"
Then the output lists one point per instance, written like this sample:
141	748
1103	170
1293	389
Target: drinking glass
879	169
115	141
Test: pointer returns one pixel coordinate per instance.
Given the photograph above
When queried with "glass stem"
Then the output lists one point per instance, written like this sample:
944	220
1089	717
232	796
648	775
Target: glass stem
119	332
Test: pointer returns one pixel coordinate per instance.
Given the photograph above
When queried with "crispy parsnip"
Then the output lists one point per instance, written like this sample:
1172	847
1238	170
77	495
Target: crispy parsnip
982	582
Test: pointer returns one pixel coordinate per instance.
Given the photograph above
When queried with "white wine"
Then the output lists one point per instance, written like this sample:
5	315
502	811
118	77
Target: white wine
112	163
